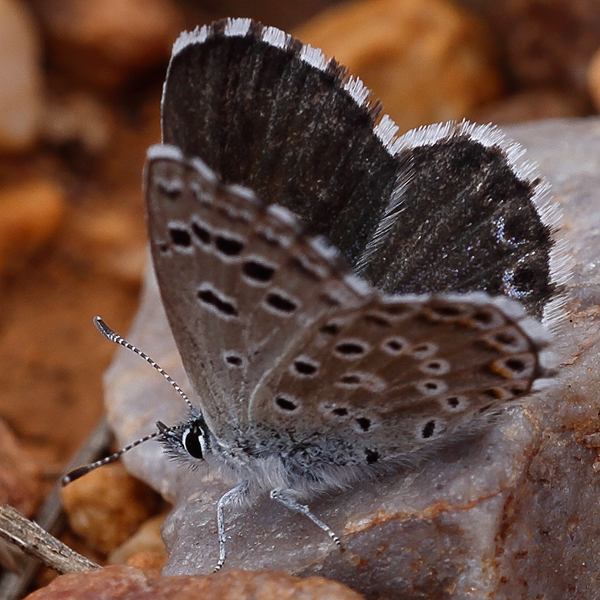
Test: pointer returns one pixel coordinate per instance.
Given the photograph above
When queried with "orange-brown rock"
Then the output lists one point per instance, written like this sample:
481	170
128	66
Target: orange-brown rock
21	84
107	506
19	476
79	118
151	563
104	42
593	79
145	541
546	43
426	60
126	583
31	214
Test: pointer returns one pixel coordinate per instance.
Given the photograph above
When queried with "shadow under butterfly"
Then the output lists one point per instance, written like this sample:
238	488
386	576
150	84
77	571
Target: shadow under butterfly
345	302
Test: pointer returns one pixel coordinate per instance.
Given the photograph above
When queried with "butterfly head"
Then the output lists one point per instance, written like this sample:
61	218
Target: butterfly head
189	440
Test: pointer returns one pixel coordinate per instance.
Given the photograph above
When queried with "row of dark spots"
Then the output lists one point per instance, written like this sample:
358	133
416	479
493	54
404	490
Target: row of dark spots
207	296
482	316
276	301
227	246
363	422
392	345
253	269
290	405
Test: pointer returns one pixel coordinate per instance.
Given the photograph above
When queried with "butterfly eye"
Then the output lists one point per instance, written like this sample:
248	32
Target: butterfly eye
193	442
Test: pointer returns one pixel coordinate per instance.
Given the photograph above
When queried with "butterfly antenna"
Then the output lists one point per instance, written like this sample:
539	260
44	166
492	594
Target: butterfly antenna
81	471
111	335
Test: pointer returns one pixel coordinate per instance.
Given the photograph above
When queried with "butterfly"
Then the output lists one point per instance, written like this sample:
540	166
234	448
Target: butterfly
343	299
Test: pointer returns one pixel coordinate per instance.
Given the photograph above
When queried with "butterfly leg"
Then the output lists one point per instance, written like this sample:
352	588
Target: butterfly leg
233	495
285	499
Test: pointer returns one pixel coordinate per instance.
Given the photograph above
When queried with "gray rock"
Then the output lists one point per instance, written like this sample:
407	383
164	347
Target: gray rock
509	513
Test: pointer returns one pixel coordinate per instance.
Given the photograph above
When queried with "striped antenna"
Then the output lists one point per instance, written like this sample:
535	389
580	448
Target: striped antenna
81	471
111	335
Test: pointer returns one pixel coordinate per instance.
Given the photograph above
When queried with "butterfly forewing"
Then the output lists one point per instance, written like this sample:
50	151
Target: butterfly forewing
240	283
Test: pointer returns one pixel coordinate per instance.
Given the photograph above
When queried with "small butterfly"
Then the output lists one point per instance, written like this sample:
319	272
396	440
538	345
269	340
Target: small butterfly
342	299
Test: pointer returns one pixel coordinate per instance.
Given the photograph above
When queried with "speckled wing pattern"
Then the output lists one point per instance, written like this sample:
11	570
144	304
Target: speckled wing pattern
269	149
286	349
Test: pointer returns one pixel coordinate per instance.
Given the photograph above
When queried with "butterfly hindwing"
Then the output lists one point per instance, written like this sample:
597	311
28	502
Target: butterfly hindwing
382	380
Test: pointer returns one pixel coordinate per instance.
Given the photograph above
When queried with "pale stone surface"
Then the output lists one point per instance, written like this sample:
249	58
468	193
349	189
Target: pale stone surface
511	513
21	98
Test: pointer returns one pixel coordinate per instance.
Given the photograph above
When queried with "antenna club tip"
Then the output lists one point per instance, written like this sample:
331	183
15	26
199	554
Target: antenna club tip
74	474
105	330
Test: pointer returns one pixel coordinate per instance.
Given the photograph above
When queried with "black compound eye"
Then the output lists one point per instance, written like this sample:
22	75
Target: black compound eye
192	443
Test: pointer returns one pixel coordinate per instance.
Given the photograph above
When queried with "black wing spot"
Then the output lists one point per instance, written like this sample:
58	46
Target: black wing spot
516	365
394	345
280	303
518	390
505	338
483	317
201	233
428	429
339	412
447	311
303	367
424	350
258	271
364	423
372	456
226	308
350	349
233	359
181	237
286	403
228	246
331	328
523	277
